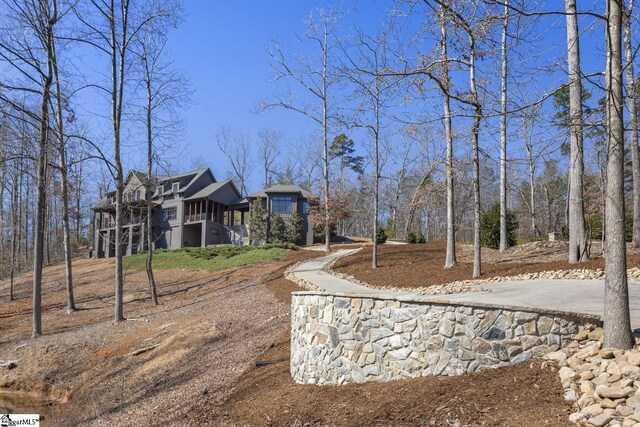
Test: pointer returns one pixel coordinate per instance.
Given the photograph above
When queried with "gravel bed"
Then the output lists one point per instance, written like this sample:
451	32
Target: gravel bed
602	384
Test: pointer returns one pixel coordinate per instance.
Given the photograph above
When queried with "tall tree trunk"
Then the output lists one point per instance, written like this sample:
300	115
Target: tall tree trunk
475	134
325	141
41	205
450	259
617	323
503	134
376	183
118	51
64	175
577	231
15	236
532	174
633	123
148	193
551	226
39	237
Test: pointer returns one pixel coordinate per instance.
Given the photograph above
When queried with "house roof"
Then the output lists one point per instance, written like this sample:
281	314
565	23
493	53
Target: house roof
105	202
182	175
209	190
282	189
194	177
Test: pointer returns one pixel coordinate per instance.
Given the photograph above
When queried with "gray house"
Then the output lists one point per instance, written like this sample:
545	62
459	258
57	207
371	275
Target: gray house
190	209
284	200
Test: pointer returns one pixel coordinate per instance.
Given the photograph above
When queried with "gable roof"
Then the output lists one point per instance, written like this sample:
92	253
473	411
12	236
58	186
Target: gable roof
198	172
212	188
141	176
278	188
194	175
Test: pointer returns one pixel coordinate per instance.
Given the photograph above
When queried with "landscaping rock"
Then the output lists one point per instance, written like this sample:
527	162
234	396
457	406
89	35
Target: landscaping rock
566	373
606	383
571	395
558	356
611	392
600	420
577	417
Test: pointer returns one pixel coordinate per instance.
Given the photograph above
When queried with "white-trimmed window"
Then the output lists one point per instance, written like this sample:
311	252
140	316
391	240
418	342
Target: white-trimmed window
160	190
170	214
175	187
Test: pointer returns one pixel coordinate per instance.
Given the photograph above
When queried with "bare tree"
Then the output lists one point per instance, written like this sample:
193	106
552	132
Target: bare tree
60	104
632	99
269	151
503	132
372	90
450	259
316	80
577	230
237	149
528	125
617	322
111	27
28	50
165	90
474	101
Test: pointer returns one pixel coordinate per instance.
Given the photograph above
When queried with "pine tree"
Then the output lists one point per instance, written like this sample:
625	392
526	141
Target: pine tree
258	221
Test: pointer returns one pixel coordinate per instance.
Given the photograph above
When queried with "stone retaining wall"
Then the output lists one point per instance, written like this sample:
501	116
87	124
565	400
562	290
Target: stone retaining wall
339	338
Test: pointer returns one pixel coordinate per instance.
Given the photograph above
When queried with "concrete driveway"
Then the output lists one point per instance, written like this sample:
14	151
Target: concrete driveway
580	296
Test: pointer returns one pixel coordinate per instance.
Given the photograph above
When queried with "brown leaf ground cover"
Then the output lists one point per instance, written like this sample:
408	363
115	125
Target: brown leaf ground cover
528	394
522	395
412	266
203	341
84	370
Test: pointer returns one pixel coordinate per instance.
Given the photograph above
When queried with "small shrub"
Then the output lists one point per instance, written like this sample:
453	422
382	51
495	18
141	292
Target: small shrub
278	229
490	228
381	236
412	238
258	221
318	233
294	230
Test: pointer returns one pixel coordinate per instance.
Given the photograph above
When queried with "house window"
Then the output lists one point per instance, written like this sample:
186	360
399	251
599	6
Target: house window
175	187
170	214
136	196
305	208
281	204
160	190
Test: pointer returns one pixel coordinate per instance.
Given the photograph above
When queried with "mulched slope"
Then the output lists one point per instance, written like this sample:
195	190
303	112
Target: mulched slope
411	266
523	395
527	394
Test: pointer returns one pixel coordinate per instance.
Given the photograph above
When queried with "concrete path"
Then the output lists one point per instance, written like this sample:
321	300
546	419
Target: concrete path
579	296
312	272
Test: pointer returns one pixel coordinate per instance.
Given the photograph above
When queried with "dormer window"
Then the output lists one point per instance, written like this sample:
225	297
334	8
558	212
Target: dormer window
160	190
175	187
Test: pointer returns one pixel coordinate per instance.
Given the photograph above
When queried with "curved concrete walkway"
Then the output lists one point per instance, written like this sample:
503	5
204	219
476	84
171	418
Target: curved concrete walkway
579	296
312	271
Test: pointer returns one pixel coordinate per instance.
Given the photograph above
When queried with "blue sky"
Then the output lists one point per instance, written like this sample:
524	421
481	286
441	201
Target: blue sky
222	45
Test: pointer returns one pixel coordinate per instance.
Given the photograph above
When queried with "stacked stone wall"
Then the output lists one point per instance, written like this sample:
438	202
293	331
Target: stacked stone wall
337	338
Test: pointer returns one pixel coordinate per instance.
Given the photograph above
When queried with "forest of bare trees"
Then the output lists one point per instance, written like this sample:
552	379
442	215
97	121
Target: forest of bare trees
54	165
419	125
